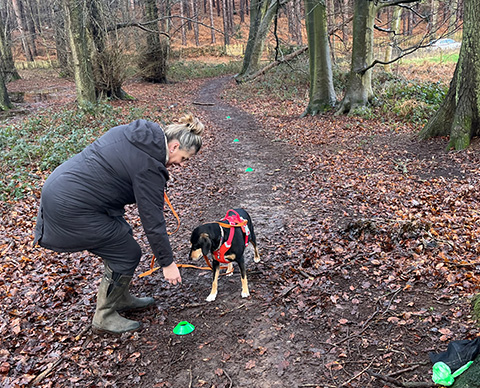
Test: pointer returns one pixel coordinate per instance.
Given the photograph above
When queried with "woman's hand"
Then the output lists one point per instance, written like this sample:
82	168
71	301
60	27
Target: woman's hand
172	274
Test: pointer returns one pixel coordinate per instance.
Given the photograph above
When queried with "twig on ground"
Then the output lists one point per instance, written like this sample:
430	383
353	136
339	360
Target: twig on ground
203	103
409	369
358	374
229	311
231	382
191	378
408	384
46	372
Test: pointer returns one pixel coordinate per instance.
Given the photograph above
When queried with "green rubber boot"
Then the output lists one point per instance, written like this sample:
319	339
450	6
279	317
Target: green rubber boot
127	301
106	317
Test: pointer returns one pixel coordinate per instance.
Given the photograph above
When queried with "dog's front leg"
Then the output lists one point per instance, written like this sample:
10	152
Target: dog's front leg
243	274
216	272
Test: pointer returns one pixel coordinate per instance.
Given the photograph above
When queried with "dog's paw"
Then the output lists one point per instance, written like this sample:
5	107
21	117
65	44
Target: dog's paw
211	297
245	294
229	270
256	259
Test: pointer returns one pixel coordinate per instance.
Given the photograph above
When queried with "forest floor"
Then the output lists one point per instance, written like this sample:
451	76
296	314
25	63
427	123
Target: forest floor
369	255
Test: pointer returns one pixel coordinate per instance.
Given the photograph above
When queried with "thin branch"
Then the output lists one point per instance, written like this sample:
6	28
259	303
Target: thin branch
397	383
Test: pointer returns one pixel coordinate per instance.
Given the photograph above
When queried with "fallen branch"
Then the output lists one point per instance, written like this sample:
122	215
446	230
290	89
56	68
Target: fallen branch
397	383
271	65
358	374
46	372
231	382
203	103
229	311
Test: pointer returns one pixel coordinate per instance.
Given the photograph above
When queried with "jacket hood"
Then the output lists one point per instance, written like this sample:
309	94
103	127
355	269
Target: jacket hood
149	137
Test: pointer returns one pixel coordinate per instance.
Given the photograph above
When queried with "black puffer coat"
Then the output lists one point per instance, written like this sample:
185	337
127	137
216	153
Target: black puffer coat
83	199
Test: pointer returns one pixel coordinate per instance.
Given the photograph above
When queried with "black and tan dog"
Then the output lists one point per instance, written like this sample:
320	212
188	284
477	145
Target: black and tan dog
225	240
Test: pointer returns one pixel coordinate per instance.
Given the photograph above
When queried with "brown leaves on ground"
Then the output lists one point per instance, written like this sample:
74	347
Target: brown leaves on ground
369	245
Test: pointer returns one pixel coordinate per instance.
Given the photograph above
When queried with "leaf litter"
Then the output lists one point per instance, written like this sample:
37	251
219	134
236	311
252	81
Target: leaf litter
369	245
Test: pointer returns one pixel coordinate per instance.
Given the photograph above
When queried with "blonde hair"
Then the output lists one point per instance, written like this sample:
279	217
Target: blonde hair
188	132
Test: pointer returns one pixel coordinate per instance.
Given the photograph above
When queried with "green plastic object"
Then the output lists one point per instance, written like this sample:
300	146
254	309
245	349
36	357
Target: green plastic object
236	140
443	375
249	169
183	328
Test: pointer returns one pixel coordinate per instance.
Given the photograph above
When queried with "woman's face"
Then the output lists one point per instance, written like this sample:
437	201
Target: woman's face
177	156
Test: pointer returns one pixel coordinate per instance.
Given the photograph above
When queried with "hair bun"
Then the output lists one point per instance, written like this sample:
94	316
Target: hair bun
192	123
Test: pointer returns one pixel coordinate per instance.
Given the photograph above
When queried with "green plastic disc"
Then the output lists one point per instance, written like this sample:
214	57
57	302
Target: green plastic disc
183	328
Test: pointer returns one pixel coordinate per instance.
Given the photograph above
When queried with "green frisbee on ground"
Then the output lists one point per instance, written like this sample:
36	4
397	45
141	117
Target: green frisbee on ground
183	328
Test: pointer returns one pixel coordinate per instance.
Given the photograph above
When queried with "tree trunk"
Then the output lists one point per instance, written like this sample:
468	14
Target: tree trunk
75	15
459	115
64	62
262	13
23	30
226	34
212	31
194	6
5	103
322	93
359	87
394	30
183	29
6	58
154	59
294	24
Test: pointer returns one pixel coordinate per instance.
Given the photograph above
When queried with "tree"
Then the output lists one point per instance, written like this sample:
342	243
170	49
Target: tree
261	16
395	26
459	114
6	58
322	92
75	22
5	103
153	60
359	85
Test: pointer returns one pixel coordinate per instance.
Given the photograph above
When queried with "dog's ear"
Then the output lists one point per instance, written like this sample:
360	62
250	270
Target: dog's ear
206	243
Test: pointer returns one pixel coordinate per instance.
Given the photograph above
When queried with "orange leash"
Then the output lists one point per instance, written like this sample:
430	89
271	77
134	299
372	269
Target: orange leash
152	262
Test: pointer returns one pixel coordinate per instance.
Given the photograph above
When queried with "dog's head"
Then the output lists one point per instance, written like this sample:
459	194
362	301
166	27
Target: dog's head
201	243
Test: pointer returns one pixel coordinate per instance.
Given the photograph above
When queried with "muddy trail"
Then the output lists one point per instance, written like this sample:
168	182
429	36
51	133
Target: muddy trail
238	342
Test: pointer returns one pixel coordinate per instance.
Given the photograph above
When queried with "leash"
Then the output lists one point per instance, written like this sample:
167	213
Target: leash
152	262
210	267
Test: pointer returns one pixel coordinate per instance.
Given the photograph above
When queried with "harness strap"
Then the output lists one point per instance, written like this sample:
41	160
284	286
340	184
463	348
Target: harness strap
234	221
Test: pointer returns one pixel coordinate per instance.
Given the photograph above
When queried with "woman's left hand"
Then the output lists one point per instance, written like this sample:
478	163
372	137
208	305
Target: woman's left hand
172	274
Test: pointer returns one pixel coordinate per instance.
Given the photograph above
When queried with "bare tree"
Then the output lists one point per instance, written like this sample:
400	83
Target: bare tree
6	57
154	56
262	13
212	29
21	25
75	21
5	103
322	93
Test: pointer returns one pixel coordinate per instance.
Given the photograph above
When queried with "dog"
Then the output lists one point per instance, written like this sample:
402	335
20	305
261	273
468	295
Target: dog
225	240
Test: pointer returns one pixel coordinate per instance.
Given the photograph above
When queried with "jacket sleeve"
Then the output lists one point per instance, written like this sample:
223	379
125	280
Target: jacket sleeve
148	186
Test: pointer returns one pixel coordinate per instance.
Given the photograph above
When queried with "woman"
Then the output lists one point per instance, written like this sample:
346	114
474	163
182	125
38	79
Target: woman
82	207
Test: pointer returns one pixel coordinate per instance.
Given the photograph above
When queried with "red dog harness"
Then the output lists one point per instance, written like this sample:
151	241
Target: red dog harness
234	221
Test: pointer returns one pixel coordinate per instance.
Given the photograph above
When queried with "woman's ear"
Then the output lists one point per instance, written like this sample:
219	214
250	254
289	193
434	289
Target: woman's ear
173	145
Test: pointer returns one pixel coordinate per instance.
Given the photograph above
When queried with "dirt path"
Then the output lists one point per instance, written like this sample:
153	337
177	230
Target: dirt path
237	342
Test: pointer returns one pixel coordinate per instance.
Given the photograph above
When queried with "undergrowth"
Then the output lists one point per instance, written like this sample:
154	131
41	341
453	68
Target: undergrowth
184	70
42	142
407	100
